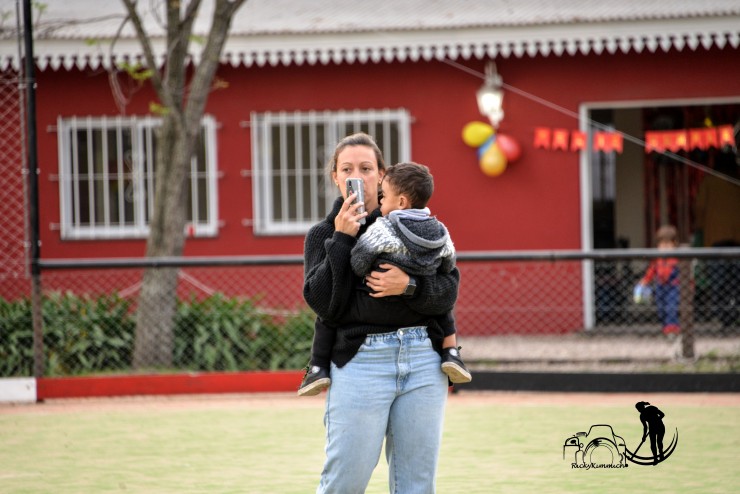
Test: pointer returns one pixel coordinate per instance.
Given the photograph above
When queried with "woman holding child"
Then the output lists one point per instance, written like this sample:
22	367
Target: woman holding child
386	379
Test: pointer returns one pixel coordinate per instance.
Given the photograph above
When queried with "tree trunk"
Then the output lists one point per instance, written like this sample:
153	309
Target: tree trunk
154	343
154	340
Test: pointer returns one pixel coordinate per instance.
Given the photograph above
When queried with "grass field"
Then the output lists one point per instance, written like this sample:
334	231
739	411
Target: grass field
273	444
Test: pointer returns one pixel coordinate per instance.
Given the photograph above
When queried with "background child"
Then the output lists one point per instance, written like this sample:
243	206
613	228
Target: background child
664	273
410	238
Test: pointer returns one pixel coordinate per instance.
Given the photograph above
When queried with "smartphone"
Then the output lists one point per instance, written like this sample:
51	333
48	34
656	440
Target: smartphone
356	185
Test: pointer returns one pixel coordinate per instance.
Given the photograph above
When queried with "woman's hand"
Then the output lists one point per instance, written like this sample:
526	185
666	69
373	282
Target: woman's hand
393	281
348	220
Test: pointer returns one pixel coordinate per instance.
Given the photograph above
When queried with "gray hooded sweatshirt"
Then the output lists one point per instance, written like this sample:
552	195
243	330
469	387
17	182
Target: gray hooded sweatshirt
411	239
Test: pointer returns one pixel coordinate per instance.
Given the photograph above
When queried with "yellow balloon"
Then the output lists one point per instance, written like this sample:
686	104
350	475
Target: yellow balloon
493	162
475	133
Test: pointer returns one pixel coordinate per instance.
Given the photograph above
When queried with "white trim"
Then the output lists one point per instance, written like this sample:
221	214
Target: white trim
587	266
18	390
377	46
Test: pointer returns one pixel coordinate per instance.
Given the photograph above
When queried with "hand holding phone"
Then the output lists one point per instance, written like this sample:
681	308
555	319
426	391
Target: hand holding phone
357	185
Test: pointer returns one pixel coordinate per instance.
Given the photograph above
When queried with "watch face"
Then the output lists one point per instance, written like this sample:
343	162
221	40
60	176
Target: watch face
410	288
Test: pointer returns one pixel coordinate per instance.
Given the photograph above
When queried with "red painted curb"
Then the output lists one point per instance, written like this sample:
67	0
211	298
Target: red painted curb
167	384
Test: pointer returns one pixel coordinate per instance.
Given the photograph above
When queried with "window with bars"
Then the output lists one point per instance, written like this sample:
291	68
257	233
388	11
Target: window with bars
107	177
290	153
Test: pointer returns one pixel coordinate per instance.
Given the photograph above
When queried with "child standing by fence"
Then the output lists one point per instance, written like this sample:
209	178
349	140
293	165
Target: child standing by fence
664	272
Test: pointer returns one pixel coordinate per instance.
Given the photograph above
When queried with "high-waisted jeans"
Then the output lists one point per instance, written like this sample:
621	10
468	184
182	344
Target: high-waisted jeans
393	389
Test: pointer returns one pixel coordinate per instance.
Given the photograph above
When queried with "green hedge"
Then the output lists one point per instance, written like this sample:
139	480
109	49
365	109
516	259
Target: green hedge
84	335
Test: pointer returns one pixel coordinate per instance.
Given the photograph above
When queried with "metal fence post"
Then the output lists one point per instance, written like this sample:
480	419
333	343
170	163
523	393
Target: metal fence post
686	317
33	201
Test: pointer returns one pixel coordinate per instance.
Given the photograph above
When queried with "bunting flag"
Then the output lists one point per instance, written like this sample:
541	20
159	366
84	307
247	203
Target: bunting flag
690	139
658	141
542	137
575	140
726	134
560	139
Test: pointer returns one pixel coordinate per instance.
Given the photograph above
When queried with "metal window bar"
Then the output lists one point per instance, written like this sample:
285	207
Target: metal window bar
121	182
75	175
106	181
298	170
194	176
90	174
283	167
147	164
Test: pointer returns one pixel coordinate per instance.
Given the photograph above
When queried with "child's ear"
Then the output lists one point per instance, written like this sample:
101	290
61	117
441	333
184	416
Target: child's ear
403	202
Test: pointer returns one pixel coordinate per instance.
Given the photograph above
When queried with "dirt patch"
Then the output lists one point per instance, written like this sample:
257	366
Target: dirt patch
285	400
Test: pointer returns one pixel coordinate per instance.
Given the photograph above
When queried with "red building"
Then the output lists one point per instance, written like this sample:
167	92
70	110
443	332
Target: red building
298	76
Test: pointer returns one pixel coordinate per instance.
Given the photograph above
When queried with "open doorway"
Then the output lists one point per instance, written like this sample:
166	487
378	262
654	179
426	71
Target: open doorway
631	194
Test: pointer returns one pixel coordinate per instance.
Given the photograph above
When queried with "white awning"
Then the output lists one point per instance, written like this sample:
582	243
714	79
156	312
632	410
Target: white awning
269	32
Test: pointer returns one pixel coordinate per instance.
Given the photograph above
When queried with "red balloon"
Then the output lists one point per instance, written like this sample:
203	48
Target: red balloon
508	145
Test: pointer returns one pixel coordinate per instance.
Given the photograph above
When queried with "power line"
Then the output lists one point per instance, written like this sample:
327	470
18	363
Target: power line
593	123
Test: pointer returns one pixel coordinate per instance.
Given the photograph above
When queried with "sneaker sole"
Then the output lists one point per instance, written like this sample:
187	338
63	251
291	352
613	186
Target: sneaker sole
457	374
315	387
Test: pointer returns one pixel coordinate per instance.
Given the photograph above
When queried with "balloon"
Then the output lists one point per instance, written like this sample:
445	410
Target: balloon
509	146
493	161
475	133
486	145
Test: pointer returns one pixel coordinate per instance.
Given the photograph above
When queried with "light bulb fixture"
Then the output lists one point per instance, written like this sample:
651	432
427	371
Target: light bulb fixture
491	96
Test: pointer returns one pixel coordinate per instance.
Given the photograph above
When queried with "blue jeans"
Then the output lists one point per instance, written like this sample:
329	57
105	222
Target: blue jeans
667	299
393	389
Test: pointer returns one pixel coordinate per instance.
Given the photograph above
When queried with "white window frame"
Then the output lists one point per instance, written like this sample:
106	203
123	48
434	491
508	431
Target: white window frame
336	125
141	166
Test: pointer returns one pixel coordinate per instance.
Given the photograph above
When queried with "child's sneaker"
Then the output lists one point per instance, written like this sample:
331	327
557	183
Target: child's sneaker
316	379
671	329
453	366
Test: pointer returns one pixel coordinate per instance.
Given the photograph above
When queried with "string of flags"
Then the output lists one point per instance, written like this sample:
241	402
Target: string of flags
656	140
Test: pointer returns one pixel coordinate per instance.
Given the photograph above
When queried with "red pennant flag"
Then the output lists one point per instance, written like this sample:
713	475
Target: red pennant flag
577	140
654	142
726	135
542	138
600	141
560	139
616	142
696	139
682	140
710	135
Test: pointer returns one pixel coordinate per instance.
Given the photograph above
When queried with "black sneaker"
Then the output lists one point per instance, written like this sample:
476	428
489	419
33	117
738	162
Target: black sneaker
453	366
316	379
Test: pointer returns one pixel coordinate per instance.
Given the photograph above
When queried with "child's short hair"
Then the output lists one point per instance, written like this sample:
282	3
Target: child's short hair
412	180
667	233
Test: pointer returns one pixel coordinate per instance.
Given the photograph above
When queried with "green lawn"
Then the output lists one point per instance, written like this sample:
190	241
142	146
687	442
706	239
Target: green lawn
276	447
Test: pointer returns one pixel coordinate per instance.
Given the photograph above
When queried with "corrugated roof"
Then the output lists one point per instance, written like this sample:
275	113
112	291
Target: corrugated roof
325	31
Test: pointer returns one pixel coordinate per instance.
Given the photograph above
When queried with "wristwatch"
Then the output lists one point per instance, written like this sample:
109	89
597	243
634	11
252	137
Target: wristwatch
410	288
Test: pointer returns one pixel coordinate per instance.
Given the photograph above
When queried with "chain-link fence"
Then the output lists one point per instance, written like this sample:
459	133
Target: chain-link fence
13	269
516	311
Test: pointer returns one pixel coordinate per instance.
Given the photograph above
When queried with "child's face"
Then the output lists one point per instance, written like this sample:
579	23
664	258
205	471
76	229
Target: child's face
391	200
666	245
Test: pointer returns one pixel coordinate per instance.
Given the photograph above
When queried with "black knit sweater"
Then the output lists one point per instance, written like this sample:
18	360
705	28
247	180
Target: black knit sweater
337	297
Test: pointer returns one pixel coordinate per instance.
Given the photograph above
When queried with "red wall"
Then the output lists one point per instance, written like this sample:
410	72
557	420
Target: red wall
533	205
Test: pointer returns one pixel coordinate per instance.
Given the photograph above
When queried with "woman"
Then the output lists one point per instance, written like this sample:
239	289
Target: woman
385	369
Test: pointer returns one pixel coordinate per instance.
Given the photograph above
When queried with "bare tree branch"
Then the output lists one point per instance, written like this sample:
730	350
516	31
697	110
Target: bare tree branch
164	95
